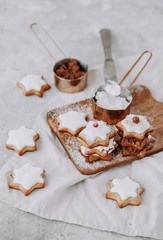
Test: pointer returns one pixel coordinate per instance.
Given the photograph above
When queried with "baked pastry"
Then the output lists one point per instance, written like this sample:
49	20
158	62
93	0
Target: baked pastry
97	133
27	178
125	191
99	152
72	122
95	157
102	151
33	85
133	135
22	140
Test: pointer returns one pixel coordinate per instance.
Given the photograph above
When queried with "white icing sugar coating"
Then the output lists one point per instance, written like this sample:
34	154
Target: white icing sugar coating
28	176
113	88
72	120
108	101
32	82
139	127
84	149
125	187
91	133
104	149
21	137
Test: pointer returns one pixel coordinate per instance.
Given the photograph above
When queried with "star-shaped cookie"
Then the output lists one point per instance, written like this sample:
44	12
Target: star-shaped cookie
33	85
72	122
102	151
27	178
134	126
94	157
22	140
125	191
97	133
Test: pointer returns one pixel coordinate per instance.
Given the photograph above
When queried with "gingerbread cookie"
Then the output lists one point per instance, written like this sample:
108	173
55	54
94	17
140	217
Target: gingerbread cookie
94	157
133	135
33	85
140	152
125	191
27	178
134	126
133	142
72	122
22	140
97	133
102	151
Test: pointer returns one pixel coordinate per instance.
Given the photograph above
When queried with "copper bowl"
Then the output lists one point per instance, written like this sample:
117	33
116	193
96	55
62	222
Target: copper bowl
64	85
114	116
70	85
109	116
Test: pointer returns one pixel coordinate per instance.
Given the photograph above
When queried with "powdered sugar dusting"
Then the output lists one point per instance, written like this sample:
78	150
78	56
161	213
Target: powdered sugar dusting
71	144
85	108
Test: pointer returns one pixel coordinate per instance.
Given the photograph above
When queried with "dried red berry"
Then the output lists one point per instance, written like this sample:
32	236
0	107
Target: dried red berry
95	125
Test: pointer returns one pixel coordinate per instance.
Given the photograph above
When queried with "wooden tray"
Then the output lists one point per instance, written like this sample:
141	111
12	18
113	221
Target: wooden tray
143	103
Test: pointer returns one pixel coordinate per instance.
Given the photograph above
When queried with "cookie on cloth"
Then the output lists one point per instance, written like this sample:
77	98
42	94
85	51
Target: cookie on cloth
33	85
97	133
22	140
136	126
72	122
27	178
125	191
102	151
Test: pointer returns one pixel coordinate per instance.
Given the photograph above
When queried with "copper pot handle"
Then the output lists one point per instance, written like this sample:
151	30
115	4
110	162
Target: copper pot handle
150	56
49	38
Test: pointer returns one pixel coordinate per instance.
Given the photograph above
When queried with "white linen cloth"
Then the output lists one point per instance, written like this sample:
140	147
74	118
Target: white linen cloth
79	199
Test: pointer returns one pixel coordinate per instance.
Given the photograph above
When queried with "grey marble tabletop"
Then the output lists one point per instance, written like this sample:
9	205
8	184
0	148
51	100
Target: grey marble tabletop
136	26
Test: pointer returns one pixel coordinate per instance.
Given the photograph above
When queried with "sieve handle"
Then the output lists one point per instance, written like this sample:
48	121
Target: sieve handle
150	56
49	38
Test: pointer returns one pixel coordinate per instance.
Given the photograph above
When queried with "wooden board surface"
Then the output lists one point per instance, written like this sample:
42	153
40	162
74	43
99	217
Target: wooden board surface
143	104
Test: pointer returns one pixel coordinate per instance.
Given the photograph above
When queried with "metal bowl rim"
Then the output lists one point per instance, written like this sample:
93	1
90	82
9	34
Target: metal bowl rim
64	79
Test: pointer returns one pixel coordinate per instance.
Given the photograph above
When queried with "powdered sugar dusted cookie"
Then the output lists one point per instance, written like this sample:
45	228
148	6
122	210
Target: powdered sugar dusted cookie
125	191
94	157
33	85
27	178
97	133
72	122
133	135
134	126
99	150
140	152
22	140
137	143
